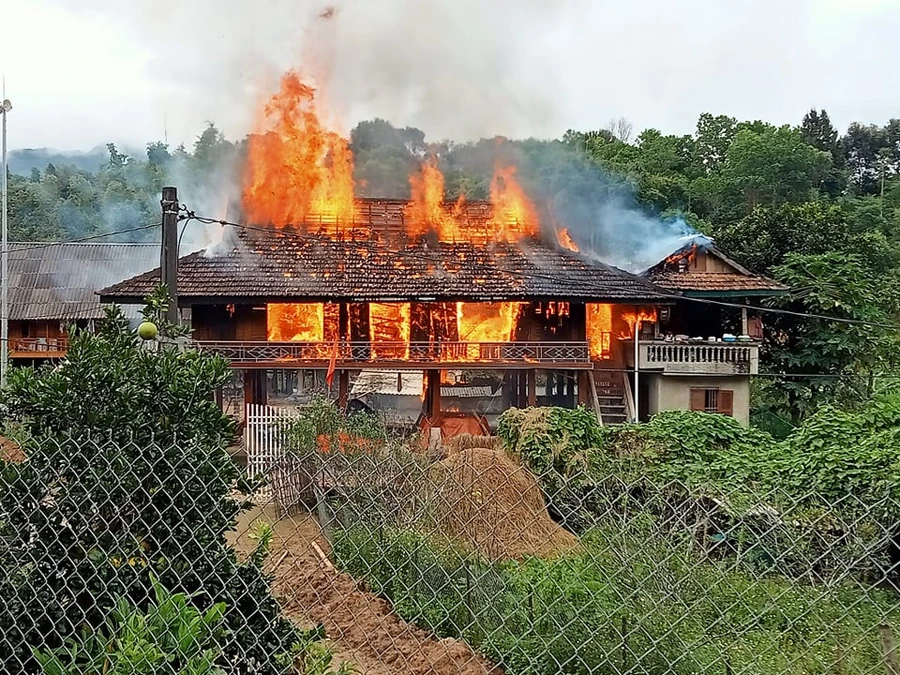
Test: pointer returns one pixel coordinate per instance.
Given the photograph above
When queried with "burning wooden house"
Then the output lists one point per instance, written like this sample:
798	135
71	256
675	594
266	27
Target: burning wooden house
489	296
543	323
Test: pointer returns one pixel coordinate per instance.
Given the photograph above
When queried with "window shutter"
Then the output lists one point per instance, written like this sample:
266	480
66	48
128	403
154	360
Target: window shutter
726	402
698	399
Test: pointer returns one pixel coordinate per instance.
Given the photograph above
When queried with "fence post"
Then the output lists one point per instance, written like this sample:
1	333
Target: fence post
891	666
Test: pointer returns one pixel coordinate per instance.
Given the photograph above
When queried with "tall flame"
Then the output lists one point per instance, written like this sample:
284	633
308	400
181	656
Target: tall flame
564	239
426	210
515	216
389	323
487	322
630	318
296	169
599	330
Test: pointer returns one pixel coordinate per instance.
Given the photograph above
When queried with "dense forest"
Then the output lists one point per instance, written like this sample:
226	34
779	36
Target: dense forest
815	208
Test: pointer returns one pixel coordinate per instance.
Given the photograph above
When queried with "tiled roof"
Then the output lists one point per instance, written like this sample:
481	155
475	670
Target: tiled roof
59	281
739	279
286	264
715	281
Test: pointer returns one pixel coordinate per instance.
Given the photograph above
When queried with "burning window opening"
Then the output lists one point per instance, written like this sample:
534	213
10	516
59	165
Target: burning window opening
607	321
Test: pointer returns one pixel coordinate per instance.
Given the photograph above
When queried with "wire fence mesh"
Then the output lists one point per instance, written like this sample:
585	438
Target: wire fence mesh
384	556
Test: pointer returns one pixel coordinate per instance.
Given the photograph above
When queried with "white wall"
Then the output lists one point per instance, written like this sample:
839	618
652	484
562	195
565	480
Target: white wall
667	392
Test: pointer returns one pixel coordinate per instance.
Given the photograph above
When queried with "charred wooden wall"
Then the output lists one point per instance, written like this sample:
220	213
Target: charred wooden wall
429	322
552	322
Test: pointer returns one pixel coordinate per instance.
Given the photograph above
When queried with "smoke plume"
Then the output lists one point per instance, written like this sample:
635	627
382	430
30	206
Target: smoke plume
465	69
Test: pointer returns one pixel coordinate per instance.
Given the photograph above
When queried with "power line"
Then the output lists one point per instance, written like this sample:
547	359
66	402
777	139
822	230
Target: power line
190	215
84	239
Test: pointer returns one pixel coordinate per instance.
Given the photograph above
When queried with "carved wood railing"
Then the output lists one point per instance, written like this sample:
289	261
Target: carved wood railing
425	353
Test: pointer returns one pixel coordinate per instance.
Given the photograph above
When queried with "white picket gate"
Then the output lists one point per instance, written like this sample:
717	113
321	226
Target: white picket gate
264	437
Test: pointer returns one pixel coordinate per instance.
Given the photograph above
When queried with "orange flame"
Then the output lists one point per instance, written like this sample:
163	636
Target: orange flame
565	240
426	210
296	169
630	318
599	331
486	322
295	322
389	325
515	216
689	256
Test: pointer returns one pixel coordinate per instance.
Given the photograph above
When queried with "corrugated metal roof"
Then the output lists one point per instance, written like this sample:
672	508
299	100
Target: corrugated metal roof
60	281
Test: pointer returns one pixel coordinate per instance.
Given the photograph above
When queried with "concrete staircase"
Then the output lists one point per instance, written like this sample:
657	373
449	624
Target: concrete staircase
610	396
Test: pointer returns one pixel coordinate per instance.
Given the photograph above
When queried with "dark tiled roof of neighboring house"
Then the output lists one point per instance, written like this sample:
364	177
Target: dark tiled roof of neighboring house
728	277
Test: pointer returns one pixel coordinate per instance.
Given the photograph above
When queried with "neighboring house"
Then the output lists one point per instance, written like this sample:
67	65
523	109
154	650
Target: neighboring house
516	324
53	286
682	370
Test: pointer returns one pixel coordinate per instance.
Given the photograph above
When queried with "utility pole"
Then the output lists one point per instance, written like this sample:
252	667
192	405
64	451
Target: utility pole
5	107
637	367
169	254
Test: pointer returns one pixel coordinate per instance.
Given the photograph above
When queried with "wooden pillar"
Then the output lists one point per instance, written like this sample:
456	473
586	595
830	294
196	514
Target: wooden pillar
343	388
531	378
343	322
584	388
433	393
255	387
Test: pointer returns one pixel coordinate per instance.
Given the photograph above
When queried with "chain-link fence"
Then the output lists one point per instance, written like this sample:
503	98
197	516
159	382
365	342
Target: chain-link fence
384	556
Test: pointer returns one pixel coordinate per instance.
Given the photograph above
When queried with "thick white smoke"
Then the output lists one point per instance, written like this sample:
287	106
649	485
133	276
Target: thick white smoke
463	69
460	69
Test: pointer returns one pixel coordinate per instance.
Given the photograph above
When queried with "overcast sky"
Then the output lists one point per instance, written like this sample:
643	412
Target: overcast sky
83	72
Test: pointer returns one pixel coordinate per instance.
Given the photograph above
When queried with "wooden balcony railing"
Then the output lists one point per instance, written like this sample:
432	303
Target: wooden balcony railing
378	354
697	359
41	347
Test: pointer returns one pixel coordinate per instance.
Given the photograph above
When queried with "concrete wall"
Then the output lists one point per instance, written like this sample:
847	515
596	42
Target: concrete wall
667	392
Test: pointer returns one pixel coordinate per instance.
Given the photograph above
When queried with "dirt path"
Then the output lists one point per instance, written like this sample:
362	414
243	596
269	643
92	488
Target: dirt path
360	626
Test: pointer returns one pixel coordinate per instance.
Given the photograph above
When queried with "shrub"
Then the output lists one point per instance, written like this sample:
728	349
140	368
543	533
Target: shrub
127	476
634	600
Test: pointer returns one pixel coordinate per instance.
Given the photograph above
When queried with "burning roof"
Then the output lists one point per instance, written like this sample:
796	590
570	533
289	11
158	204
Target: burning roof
376	262
703	269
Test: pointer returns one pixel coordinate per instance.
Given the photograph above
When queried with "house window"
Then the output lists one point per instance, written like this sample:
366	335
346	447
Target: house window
713	400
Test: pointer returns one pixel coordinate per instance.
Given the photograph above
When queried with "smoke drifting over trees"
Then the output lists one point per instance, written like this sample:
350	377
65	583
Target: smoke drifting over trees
464	69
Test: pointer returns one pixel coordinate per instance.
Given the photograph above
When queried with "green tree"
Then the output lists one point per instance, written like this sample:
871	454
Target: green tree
773	166
820	133
128	478
843	358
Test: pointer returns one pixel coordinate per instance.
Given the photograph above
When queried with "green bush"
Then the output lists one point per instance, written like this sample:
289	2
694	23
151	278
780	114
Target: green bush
170	637
823	501
128	477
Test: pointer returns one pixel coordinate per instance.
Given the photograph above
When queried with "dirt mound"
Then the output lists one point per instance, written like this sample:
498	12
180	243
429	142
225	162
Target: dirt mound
462	442
488	502
361	627
10	451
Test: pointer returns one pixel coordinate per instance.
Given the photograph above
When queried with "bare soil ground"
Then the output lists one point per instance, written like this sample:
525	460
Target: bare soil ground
359	625
10	451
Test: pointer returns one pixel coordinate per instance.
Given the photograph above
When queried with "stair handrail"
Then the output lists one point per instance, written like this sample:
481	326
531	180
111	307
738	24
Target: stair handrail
596	398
